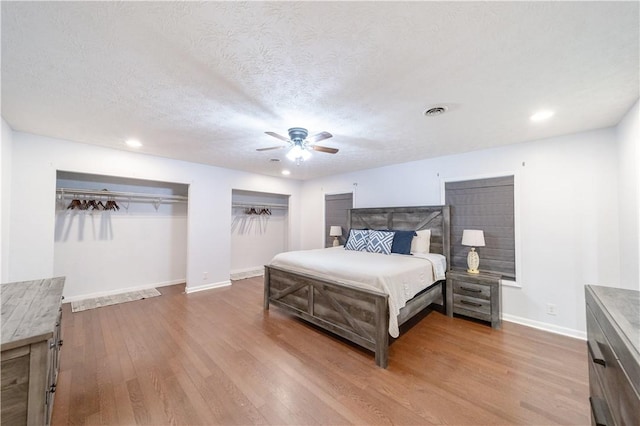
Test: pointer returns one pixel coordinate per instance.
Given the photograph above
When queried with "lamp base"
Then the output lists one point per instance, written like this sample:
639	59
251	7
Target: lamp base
336	242
473	261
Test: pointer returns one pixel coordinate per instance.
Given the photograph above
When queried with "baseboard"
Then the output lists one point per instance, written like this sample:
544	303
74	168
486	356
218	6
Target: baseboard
552	328
122	290
190	289
241	274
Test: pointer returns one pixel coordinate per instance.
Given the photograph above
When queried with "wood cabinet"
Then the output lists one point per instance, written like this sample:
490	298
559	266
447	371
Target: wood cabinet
613	345
474	295
31	341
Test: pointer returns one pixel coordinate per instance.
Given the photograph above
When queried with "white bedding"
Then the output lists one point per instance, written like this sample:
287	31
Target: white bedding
399	276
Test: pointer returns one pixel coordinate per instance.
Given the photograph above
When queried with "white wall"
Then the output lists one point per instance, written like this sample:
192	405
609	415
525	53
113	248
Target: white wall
628	132
568	209
35	160
566	214
108	253
5	188
255	239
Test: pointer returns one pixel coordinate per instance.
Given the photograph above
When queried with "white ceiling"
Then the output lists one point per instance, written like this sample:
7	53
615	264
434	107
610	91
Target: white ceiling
202	82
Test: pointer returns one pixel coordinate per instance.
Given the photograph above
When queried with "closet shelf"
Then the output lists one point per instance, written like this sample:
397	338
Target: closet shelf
270	205
121	196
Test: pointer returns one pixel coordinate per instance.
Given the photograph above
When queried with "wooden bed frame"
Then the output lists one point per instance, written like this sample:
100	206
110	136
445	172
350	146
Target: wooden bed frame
361	315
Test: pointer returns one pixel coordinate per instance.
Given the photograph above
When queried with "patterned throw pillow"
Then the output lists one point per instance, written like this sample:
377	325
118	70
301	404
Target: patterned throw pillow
380	242
358	239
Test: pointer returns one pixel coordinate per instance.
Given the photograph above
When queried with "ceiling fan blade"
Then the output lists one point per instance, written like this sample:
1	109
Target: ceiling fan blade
277	136
323	149
319	137
272	147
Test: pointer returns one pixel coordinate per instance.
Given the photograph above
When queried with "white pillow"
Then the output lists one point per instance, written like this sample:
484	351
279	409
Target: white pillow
421	242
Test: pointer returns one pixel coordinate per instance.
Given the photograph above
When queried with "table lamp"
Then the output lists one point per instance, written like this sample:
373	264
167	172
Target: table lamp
335	232
473	238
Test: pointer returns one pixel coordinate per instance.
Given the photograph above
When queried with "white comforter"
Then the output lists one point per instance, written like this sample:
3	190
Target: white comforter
399	276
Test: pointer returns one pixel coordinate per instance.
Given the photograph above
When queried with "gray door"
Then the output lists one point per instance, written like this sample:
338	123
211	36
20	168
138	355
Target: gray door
336	208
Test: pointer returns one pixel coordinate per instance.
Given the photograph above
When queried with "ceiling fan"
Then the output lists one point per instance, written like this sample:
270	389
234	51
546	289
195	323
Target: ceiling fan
300	144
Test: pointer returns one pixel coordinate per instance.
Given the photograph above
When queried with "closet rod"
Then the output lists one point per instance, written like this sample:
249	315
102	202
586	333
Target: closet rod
270	205
70	192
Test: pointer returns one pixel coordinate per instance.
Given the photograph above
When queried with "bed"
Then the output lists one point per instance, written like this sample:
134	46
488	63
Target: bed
361	307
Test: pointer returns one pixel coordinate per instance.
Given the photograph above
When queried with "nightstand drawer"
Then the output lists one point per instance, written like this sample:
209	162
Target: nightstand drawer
476	308
477	291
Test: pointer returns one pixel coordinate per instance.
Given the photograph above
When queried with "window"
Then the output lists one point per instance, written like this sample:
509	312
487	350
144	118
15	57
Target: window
336	207
486	204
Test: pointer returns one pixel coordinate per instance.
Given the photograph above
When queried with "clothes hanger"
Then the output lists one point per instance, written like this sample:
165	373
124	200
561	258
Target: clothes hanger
75	203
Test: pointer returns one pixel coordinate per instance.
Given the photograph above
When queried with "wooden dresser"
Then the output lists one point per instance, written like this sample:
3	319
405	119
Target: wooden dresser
613	343
31	319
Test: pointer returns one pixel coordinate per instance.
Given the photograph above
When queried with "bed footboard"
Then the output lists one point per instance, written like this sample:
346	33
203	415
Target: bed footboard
359	315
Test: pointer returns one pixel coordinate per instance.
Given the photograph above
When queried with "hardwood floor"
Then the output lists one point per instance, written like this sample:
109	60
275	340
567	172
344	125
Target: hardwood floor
215	357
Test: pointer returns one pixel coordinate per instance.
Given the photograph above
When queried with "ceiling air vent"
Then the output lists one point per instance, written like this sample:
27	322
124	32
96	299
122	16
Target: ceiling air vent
436	110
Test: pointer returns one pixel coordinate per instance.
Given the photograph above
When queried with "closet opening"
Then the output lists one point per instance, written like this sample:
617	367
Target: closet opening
259	231
116	234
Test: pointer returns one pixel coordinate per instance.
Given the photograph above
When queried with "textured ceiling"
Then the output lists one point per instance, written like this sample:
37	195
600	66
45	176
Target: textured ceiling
202	82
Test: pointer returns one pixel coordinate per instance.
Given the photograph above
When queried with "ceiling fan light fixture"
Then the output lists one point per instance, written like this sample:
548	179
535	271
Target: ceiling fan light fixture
297	153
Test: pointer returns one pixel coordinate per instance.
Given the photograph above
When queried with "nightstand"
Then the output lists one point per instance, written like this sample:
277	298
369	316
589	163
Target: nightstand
474	295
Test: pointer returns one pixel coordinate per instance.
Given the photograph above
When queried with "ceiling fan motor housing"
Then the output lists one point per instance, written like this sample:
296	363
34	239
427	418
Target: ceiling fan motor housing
298	134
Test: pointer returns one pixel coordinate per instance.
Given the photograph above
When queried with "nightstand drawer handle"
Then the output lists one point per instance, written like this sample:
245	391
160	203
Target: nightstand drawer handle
473	290
465	302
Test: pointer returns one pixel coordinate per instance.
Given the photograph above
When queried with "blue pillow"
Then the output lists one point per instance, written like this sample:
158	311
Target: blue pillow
357	240
380	242
402	242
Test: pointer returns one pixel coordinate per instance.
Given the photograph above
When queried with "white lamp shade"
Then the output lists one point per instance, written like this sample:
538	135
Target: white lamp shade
473	238
335	231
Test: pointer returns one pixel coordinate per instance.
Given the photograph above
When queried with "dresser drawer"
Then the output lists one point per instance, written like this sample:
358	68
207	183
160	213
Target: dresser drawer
621	398
15	388
600	411
477	291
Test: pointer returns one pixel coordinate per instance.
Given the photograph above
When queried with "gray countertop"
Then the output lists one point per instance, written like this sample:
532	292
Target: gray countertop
29	311
624	308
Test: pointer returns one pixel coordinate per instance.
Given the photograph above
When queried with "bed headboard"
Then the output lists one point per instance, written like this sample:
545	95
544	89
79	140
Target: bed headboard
435	218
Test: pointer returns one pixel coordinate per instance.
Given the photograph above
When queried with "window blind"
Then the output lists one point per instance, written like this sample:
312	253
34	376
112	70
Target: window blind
486	204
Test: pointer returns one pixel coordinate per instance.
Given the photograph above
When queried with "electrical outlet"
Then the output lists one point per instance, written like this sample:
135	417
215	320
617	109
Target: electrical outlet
551	309
205	275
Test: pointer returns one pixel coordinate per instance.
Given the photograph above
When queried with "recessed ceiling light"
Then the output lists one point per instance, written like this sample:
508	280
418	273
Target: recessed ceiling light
286	172
134	143
542	115
436	110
